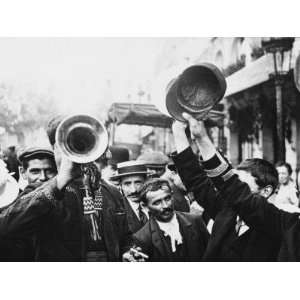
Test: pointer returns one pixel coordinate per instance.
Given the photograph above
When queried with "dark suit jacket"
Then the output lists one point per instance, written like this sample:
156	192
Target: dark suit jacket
180	203
195	236
264	217
253	245
134	223
55	219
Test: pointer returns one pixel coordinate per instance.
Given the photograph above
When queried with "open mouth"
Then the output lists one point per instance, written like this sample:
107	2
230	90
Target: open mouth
167	213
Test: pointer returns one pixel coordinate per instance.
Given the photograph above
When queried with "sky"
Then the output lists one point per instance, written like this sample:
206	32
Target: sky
78	71
84	73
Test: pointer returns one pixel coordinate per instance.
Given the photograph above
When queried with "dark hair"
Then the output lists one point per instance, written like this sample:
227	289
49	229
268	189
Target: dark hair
264	172
52	126
285	164
25	161
151	185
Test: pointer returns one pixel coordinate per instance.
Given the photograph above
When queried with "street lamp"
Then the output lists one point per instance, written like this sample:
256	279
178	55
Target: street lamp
281	50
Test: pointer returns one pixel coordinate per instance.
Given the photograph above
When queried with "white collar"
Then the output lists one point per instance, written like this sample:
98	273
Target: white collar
135	207
171	229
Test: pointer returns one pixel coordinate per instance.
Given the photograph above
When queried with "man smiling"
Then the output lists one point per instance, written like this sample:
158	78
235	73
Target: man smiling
169	235
37	164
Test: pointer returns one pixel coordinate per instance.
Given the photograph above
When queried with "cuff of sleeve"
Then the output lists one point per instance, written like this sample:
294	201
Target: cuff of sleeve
218	169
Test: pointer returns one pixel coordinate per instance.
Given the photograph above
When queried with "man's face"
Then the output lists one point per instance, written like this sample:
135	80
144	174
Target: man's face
39	170
283	175
131	187
251	181
160	204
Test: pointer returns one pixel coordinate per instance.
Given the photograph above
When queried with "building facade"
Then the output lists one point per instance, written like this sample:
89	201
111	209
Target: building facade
250	101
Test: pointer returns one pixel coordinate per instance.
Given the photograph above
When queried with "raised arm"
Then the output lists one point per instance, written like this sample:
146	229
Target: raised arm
193	175
25	215
252	208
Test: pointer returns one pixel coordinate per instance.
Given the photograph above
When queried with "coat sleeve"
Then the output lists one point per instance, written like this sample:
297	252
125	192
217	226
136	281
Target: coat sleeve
125	235
24	216
202	228
142	239
196	180
255	210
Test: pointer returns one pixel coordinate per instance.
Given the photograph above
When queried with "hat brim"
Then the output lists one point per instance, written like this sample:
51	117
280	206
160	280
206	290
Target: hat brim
119	176
9	193
176	110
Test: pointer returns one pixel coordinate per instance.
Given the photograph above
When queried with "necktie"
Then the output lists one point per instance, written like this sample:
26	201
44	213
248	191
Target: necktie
142	216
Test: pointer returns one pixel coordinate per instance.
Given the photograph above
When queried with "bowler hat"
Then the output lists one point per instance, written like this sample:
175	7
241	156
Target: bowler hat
195	91
118	155
130	168
34	151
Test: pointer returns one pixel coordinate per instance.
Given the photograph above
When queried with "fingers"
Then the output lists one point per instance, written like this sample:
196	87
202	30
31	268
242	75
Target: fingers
178	127
137	253
130	256
192	121
187	116
127	257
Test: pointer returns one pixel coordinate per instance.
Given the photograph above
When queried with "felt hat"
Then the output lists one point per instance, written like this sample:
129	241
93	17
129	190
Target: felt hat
118	155
195	91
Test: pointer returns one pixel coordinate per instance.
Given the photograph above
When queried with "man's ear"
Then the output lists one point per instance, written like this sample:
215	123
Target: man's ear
267	191
23	173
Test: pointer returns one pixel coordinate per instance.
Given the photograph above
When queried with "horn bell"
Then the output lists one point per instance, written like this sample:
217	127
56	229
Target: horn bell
82	138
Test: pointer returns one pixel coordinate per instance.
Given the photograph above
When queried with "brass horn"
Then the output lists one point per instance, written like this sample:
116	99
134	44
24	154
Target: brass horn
82	138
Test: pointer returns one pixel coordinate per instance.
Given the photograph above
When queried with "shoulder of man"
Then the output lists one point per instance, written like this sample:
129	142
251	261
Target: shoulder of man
194	218
112	195
188	215
144	234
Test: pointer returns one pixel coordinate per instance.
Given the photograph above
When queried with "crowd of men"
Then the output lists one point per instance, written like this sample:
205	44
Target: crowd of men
188	206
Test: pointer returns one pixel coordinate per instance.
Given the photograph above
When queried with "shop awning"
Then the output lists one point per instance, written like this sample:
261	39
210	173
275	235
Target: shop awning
253	74
148	115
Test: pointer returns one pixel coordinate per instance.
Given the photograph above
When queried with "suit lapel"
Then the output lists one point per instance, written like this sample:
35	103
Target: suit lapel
188	233
159	241
132	219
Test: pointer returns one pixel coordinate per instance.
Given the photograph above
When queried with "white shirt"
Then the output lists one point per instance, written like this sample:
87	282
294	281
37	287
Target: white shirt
287	194
171	229
135	207
241	226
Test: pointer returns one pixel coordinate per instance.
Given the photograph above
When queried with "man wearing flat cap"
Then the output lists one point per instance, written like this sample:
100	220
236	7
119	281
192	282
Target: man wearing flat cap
55	215
37	164
37	167
155	161
131	176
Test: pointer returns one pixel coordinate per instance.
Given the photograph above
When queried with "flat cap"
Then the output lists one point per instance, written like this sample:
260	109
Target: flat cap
33	151
154	159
